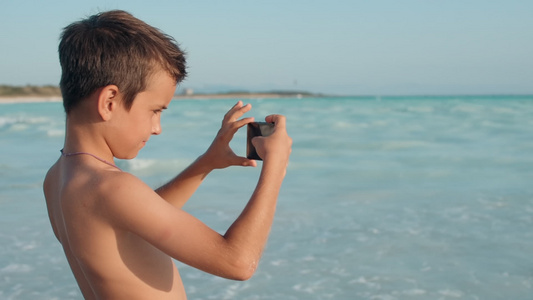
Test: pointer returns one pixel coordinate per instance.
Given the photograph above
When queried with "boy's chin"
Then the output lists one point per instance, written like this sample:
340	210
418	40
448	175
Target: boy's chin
128	156
131	154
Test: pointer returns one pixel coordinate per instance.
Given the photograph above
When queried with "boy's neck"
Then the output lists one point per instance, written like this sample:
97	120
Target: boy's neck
85	136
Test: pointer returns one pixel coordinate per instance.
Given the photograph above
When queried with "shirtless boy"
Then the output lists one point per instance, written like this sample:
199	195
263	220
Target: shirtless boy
118	234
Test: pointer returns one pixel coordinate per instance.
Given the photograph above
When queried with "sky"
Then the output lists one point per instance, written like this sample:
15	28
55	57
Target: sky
338	47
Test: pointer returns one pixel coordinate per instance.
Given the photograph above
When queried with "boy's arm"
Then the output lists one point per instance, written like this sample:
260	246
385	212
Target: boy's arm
178	191
235	254
218	156
249	233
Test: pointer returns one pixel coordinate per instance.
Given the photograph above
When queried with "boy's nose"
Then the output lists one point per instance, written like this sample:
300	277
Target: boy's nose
156	129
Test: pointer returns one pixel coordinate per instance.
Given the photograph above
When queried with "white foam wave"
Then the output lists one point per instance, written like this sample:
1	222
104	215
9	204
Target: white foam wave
421	109
414	292
55	132
22	123
344	124
279	262
371	283
397	145
19	127
150	165
505	110
465	108
16	268
140	164
451	293
5	121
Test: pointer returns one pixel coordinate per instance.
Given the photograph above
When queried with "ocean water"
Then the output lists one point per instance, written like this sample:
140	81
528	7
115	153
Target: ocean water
385	198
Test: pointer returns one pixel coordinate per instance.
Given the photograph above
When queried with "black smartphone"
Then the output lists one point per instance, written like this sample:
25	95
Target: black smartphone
256	129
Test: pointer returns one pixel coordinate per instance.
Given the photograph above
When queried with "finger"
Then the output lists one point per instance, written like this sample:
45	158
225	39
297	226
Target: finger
241	111
228	130
231	128
256	140
245	162
278	120
235	160
233	109
237	111
240	123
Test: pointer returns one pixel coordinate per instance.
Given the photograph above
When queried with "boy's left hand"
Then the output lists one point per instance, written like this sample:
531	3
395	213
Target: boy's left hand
219	155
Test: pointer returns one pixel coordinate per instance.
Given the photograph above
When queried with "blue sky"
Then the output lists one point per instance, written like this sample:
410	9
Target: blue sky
339	47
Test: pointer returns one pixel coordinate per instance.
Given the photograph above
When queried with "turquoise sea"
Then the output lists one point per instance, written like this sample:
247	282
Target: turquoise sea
385	198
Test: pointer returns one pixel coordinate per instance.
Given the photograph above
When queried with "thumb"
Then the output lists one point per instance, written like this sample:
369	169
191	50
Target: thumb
256	140
245	162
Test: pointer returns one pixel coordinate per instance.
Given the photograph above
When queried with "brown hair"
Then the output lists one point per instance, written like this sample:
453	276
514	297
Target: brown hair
114	48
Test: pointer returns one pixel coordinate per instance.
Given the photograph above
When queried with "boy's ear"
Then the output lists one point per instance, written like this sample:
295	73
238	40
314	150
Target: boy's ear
108	101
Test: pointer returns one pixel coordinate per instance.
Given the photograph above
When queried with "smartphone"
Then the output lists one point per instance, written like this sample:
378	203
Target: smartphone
256	129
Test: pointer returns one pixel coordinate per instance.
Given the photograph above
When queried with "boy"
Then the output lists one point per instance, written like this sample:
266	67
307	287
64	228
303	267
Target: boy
119	235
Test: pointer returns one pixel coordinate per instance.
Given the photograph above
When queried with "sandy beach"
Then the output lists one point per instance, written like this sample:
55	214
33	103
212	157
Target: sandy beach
30	99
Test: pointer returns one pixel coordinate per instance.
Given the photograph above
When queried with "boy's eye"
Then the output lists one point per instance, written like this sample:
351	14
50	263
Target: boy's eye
159	110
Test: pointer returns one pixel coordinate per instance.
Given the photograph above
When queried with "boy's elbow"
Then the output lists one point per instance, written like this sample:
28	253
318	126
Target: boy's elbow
243	275
240	262
243	270
246	274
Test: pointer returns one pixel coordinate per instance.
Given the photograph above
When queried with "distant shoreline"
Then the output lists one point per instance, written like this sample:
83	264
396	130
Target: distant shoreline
43	98
29	99
247	96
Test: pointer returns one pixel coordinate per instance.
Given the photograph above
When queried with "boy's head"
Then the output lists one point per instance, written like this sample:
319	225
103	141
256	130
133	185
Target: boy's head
114	48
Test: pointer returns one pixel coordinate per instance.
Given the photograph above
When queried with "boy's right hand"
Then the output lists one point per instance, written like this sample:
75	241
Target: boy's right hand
277	146
219	155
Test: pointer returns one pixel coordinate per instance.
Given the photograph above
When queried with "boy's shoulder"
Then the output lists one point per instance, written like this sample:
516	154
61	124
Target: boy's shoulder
111	187
121	187
99	185
119	197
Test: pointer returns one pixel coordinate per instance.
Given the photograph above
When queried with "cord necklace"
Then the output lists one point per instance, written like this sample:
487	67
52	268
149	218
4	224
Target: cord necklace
90	154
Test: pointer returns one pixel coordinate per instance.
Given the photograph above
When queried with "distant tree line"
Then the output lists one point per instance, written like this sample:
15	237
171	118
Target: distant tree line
54	91
29	90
